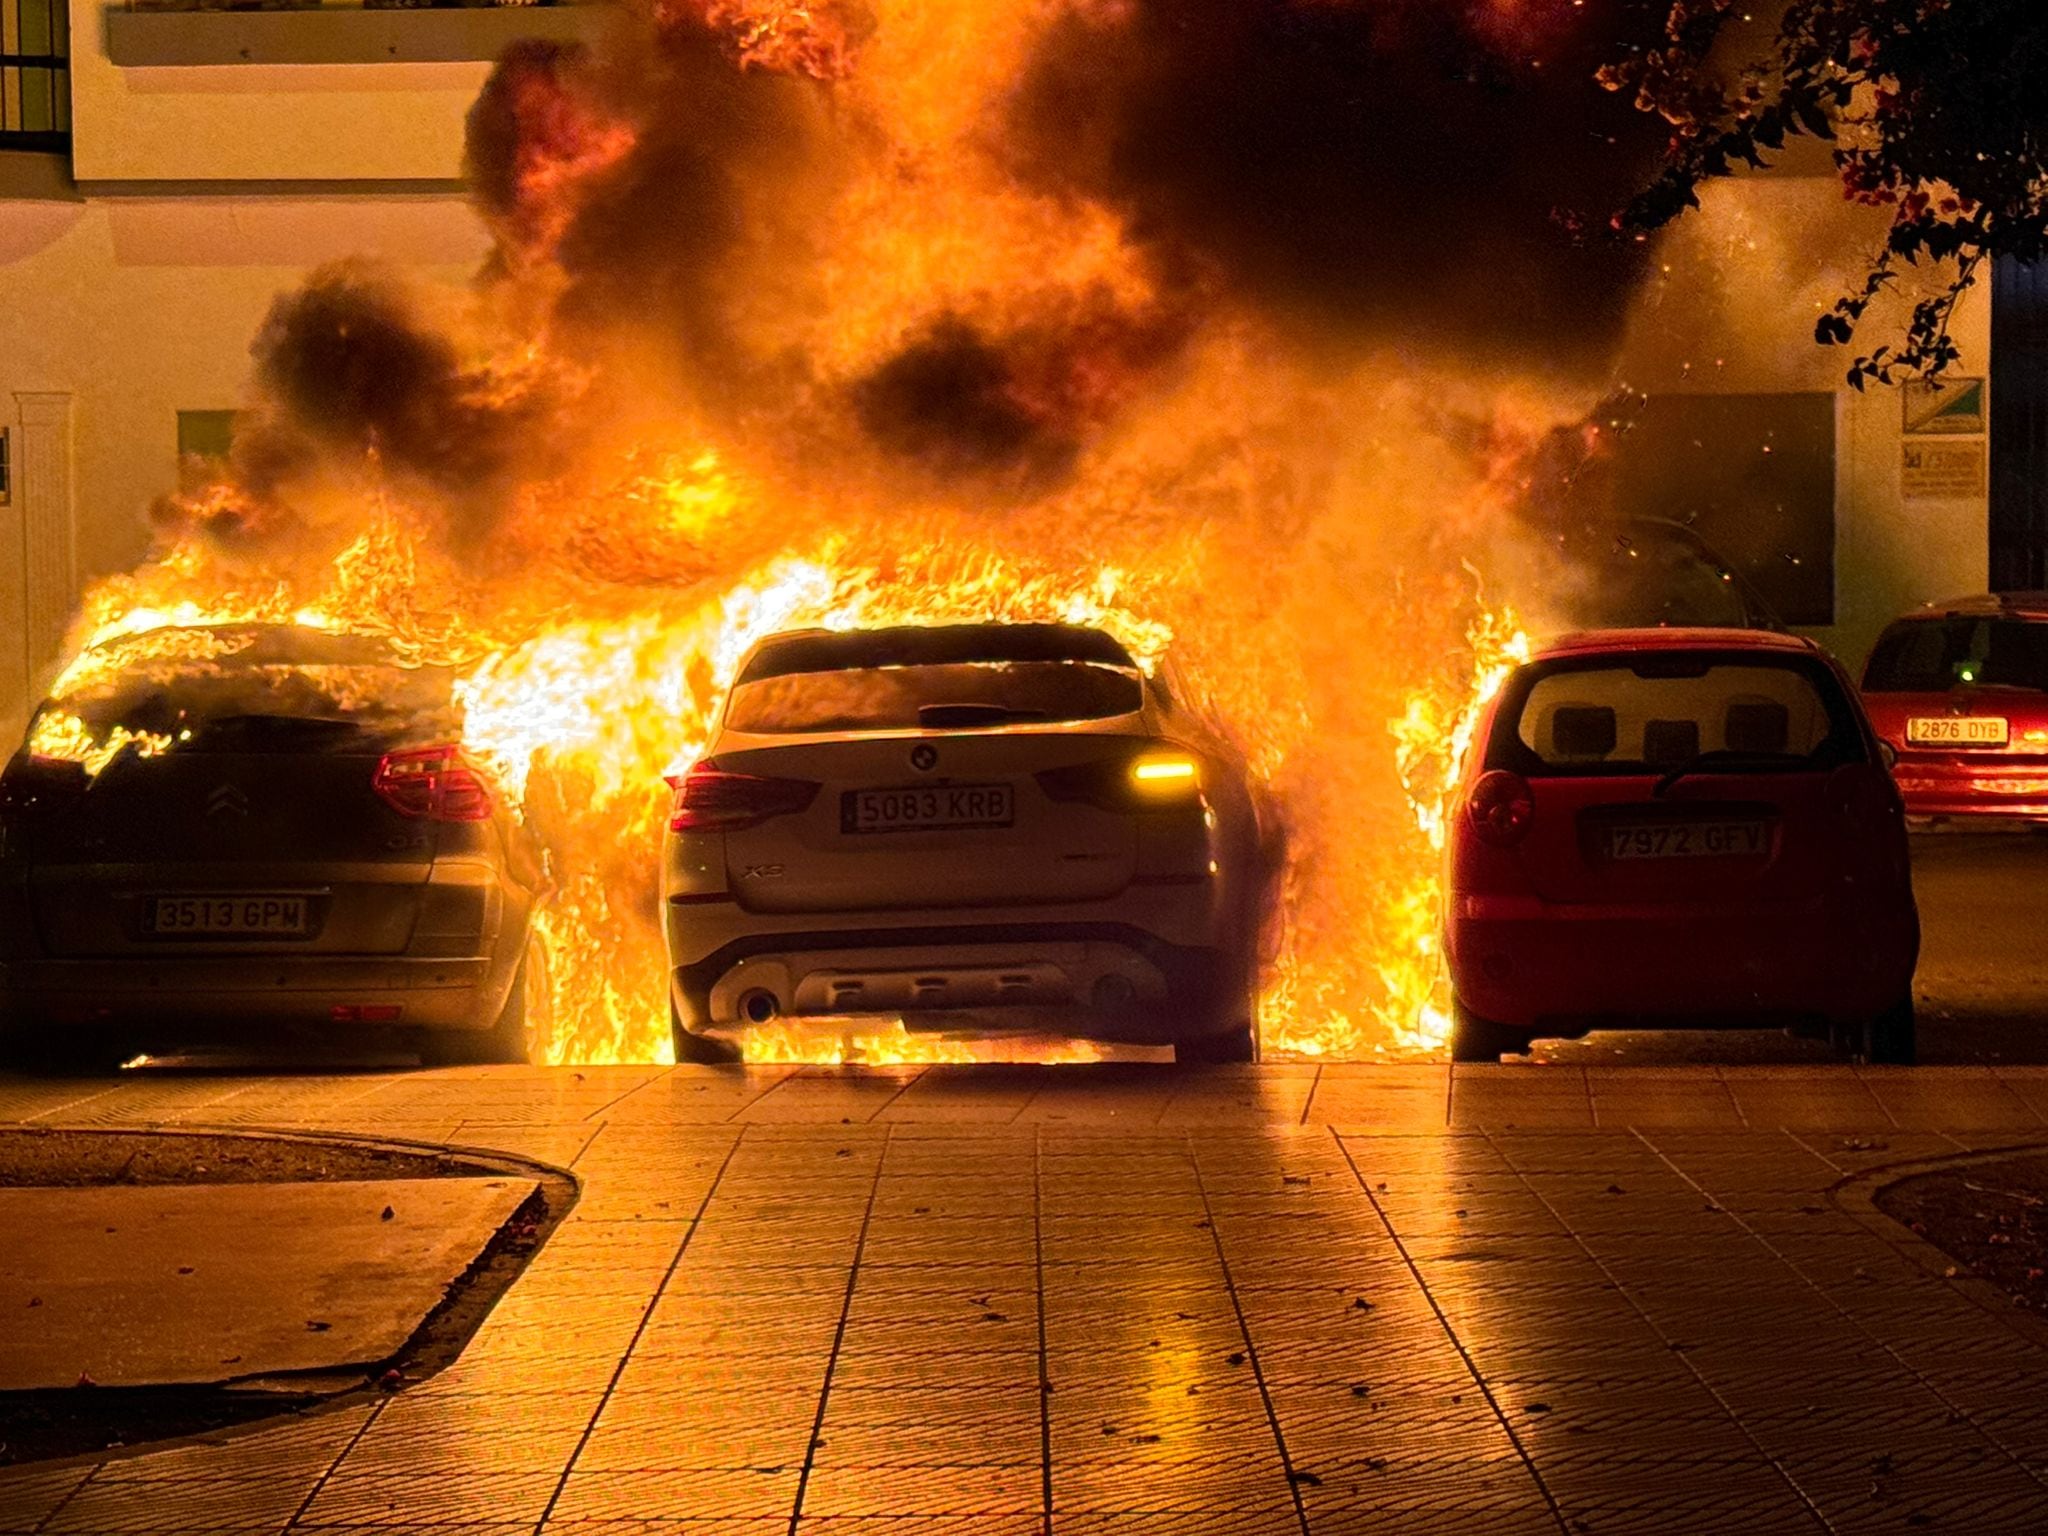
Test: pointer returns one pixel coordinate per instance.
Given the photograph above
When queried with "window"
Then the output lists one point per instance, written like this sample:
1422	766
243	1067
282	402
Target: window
959	696
1751	475
1935	655
35	74
1654	713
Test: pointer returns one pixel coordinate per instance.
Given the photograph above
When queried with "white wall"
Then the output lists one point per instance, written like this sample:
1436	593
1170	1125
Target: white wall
141	307
1731	308
246	122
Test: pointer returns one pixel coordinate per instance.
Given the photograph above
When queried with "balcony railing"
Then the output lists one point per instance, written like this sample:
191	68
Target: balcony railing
35	75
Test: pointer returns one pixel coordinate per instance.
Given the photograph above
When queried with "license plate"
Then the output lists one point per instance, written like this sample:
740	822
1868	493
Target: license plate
1688	840
225	916
1959	731
936	808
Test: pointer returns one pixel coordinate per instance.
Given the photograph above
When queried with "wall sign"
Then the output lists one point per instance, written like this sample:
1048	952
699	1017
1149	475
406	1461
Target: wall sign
1952	408
1933	471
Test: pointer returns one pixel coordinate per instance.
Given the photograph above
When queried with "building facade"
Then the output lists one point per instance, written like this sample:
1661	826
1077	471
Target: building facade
165	171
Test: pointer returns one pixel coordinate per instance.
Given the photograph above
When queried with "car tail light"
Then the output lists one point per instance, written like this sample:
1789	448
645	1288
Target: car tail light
33	784
1501	808
713	799
433	784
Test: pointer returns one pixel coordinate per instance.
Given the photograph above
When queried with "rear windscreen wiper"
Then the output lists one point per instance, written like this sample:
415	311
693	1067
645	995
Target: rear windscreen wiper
1723	757
941	716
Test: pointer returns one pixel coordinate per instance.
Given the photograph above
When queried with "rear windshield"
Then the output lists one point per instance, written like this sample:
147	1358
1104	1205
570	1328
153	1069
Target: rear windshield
1935	655
244	690
1653	714
1648	582
956	696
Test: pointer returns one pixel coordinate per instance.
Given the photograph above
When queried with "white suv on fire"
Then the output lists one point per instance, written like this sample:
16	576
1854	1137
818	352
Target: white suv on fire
981	829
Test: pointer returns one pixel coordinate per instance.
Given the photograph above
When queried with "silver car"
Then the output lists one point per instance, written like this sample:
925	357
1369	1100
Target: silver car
288	835
983	829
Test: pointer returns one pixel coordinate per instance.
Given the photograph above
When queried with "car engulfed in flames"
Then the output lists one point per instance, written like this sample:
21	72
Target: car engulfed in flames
850	316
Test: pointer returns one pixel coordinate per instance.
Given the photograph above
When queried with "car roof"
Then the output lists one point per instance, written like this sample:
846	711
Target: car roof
1984	605
1619	642
924	645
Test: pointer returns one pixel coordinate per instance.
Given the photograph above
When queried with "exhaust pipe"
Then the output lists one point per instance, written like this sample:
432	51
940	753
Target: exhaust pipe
758	1006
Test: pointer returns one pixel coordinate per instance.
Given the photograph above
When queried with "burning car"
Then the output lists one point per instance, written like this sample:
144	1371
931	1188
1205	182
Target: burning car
979	828
1959	691
1679	828
222	831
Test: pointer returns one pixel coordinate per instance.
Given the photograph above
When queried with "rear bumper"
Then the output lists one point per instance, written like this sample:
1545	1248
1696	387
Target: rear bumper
1535	965
223	992
1980	788
1096	981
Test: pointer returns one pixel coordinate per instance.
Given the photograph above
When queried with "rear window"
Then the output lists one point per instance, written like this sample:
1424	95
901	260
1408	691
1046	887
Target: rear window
954	696
1653	714
256	689
1935	655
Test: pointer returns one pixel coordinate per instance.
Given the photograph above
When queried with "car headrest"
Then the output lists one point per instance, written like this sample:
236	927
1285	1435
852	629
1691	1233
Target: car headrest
1667	743
1756	725
1582	730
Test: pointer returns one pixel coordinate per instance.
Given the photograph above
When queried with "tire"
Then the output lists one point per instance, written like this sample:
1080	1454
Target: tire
694	1050
509	1040
66	1057
1477	1039
1237	1044
1891	1039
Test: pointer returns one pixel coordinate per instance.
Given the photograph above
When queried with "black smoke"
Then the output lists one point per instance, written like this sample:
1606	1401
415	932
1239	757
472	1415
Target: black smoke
1417	172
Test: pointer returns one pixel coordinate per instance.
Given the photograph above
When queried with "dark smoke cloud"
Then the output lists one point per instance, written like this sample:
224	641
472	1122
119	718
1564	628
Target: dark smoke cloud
350	363
355	380
1413	171
959	401
647	175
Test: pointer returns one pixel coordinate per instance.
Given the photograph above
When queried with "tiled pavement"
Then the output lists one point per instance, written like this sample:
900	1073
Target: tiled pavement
1096	1301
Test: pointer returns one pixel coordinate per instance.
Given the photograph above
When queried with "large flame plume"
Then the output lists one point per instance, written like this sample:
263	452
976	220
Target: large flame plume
796	317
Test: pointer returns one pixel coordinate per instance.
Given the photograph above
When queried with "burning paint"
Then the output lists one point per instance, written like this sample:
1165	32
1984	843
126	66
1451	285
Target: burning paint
789	324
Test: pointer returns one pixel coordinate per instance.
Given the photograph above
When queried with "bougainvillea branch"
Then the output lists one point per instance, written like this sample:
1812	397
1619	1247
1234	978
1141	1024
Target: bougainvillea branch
1936	110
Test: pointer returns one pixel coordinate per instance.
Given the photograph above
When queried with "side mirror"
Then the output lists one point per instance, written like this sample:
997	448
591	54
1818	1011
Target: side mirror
1887	754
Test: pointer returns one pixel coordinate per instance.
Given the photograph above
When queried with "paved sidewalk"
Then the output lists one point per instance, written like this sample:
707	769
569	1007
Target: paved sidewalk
1131	1300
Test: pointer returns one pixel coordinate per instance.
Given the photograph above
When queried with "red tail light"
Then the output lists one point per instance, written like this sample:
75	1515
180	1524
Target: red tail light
711	799
433	784
1501	808
33	784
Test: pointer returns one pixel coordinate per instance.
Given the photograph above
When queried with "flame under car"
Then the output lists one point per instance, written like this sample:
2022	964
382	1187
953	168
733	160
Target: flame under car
223	833
982	829
1679	829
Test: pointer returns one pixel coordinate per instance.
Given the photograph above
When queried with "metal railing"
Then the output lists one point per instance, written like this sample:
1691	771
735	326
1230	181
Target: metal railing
35	75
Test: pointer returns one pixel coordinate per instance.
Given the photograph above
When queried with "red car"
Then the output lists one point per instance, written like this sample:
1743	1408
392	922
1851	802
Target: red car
1679	828
1959	691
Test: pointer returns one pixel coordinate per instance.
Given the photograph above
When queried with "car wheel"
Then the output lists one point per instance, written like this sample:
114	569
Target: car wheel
1477	1039
509	1040
1890	1039
697	1050
61	1057
1239	1043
